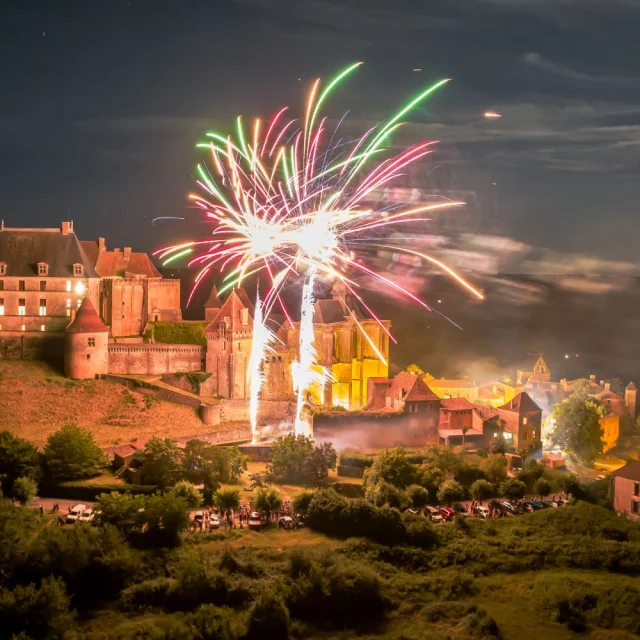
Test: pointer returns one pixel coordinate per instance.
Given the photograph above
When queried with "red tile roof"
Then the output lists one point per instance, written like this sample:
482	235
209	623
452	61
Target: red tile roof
112	264
522	402
232	309
452	384
87	320
485	411
456	404
410	388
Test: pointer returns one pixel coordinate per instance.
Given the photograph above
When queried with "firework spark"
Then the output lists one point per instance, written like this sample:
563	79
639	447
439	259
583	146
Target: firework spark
286	204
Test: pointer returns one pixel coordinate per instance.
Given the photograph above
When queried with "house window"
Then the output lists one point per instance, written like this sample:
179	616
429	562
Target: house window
68	285
91	342
88	356
636	488
68	303
41	327
1	285
68	312
21	285
43	307
524	435
43	269
78	270
533	435
78	302
22	307
634	507
3	269
508	435
524	420
1	306
245	317
23	327
43	285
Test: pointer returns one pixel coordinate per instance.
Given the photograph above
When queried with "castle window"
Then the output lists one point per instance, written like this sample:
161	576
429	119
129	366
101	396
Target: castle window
91	342
636	488
78	270
524	435
68	303
68	285
1	285
41	327
68	312
21	285
43	307
3	268
1	306
88	356
22	307
78	302
239	346
533	435
23	327
245	317
43	285
43	269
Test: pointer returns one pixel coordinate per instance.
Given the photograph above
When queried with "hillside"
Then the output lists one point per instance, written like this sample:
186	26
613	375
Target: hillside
36	400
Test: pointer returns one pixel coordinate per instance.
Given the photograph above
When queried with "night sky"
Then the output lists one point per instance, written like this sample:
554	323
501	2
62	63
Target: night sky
102	103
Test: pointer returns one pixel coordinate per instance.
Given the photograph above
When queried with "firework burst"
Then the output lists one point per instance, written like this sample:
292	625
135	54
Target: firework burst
284	203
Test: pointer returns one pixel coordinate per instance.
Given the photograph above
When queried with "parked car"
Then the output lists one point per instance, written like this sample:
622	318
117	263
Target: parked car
87	516
458	507
255	521
214	521
299	518
531	506
480	511
287	522
75	513
511	508
198	517
560	503
447	513
433	514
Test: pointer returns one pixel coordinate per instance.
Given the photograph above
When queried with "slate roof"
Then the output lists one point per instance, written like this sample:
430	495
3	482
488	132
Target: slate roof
22	249
213	301
630	471
87	320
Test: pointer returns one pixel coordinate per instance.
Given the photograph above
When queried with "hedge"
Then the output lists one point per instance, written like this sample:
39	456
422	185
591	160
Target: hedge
91	491
350	472
177	332
355	460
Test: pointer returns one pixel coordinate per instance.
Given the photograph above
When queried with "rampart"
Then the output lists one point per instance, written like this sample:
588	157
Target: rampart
155	358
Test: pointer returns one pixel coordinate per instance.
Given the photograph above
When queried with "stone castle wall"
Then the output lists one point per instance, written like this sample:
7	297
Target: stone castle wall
155	358
31	346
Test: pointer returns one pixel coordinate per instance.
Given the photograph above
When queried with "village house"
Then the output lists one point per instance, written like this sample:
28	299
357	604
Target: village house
626	490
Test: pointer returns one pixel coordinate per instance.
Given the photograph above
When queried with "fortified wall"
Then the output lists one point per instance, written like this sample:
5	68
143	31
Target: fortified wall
155	358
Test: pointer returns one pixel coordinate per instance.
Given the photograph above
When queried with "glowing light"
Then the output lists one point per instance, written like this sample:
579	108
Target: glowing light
492	115
79	288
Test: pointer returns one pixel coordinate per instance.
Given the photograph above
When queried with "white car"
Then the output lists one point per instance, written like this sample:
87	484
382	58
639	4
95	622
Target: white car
75	513
255	521
87	516
481	512
433	514
214	521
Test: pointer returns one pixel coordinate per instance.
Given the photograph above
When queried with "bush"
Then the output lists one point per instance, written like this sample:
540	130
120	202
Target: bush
177	332
25	490
355	460
72	453
390	466
450	491
481	490
18	458
513	489
383	493
297	459
268	618
418	496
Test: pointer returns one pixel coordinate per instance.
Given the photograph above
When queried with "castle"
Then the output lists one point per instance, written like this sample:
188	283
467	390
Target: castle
63	297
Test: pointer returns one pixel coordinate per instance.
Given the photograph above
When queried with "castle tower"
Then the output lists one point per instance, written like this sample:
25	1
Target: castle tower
630	396
212	305
85	344
229	336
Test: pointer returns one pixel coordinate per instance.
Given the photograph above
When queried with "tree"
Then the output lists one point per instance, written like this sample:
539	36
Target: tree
162	462
296	459
227	500
494	468
383	493
465	428
25	490
392	466
184	489
18	459
268	618
444	459
123	511
72	453
418	496
498	444
568	483
450	491
165	516
481	490
542	488
302	501
237	463
513	489
577	425
267	501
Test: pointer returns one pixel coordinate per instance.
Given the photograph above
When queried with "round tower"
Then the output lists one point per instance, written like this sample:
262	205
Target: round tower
85	345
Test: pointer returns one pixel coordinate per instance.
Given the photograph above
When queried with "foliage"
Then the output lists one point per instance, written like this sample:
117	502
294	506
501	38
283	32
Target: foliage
237	463
302	501
25	490
513	489
494	468
18	458
481	490
384	493
227	500
72	453
162	462
418	496
355	460
164	517
450	491
577	428
391	466
542	488
184	489
121	510
268	618
498	444
177	332
267	501
295	458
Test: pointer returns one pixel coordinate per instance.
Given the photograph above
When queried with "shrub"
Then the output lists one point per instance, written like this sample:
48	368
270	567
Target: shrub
481	490
418	496
189	492
383	493
177	332
72	453
450	491
297	459
268	618
513	489
25	490
355	460
390	466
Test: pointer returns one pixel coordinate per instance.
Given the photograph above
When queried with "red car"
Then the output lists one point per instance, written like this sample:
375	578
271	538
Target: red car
447	513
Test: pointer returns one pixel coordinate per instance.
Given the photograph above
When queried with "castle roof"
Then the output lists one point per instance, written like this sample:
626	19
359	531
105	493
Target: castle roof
213	301
116	263
631	387
406	386
22	249
457	404
231	311
87	320
521	403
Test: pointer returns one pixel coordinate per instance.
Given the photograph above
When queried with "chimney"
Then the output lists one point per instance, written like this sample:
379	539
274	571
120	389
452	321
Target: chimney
607	386
592	377
67	228
127	253
102	245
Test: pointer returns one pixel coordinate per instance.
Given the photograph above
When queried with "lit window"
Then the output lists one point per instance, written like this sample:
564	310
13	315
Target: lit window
22	307
79	288
1	306
43	285
68	312
43	269
0	327
79	302
78	270
22	327
41	327
68	303
524	421
508	436
21	285
3	268
91	342
533	435
68	285
43	307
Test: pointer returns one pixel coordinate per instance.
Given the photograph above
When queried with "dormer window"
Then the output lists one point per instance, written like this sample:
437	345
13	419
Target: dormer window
3	268
78	270
43	269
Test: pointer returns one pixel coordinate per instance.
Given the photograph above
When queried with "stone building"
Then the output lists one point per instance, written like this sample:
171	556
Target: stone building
86	345
626	490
